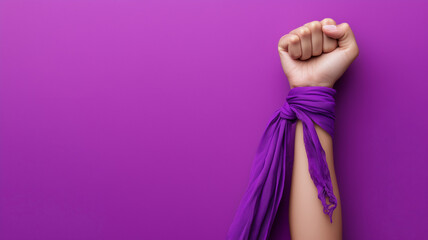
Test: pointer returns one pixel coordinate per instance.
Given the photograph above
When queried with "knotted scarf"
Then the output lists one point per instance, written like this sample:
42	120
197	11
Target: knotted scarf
259	205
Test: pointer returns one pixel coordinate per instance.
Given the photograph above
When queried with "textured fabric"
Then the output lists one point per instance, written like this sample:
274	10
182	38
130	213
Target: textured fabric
258	207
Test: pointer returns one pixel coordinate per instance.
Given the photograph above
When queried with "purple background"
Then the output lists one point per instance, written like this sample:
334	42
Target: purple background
132	120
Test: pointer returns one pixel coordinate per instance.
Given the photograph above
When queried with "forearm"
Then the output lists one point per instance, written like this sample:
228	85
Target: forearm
307	220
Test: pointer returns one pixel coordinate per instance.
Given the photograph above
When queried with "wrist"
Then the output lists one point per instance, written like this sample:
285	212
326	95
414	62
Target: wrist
329	85
311	81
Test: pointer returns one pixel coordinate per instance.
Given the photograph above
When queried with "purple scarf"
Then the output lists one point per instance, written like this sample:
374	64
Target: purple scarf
258	207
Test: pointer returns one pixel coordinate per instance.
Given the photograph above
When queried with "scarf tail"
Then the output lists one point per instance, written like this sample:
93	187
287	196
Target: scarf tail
317	165
259	205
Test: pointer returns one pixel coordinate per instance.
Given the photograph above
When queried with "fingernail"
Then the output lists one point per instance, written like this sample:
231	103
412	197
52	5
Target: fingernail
330	27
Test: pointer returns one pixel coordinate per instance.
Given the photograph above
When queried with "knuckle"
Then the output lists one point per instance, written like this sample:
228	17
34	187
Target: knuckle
314	25
304	31
328	21
346	25
294	38
294	31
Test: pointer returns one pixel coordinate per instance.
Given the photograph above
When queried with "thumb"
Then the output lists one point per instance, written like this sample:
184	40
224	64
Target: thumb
343	34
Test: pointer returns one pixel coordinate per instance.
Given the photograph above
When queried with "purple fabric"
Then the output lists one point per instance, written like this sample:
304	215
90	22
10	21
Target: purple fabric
258	207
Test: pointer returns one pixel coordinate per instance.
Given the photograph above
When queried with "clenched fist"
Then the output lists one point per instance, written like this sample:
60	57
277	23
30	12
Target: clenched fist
317	53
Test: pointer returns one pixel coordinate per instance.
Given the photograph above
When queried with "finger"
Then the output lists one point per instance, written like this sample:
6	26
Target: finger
305	41
294	48
329	44
283	43
343	33
284	47
316	36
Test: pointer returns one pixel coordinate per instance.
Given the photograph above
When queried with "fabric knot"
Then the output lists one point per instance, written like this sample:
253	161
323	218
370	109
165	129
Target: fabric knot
287	112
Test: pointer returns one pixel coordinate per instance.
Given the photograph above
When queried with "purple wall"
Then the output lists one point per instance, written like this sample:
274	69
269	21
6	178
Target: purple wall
131	120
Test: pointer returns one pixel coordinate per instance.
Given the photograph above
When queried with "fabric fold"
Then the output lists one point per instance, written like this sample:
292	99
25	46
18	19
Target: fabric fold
258	207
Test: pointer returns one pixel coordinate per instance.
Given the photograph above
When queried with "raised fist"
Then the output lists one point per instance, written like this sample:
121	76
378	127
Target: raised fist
317	53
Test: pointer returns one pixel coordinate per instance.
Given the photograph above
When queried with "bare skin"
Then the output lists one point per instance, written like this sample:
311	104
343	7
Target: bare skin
315	55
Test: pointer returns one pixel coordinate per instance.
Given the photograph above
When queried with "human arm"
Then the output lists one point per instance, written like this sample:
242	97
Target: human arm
314	55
